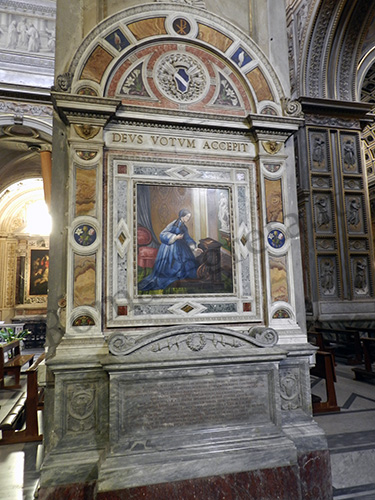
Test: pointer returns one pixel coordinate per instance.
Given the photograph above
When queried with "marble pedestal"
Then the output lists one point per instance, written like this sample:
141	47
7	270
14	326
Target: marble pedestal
194	412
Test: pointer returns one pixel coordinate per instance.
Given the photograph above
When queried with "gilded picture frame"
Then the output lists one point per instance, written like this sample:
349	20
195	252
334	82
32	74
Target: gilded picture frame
36	275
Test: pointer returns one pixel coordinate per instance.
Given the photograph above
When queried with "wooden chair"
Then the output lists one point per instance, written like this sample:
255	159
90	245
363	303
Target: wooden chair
146	255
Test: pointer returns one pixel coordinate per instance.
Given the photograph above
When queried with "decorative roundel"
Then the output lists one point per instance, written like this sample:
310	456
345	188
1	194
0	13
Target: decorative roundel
85	235
276	238
181	26
181	77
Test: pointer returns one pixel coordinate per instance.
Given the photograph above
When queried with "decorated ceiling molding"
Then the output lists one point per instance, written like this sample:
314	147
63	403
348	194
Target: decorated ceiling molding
174	58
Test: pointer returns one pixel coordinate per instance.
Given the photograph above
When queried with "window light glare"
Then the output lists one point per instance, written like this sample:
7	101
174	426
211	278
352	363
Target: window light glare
38	220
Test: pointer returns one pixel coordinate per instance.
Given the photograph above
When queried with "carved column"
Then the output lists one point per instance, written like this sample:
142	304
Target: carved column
85	117
280	225
334	212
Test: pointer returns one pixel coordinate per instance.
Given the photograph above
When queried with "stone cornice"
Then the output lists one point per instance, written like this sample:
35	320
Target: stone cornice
274	125
332	106
332	112
84	109
193	119
25	8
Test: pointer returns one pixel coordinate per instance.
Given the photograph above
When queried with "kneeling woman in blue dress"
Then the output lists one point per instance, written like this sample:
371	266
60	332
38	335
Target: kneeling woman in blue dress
176	258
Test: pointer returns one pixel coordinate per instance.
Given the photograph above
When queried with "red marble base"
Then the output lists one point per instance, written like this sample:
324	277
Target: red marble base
311	480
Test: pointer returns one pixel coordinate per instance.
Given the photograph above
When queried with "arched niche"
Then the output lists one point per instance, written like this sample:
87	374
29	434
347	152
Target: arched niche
133	42
336	33
177	98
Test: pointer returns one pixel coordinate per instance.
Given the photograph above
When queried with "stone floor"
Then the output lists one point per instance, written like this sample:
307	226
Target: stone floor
350	434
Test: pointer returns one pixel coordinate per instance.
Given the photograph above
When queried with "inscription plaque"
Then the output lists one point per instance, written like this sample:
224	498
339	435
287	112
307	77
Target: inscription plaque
209	401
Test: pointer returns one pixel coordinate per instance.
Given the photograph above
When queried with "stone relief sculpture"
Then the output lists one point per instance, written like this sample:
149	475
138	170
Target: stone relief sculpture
354	214
81	406
51	39
33	35
64	82
349	155
23	38
360	279
181	77
34	41
327	277
227	95
318	155
289	391
133	84
188	338
323	216
12	36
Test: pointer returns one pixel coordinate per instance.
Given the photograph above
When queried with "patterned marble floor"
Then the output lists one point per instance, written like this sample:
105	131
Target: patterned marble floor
350	434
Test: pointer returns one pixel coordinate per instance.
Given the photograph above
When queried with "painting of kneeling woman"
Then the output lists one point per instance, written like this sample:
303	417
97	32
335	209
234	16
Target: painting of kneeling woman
177	257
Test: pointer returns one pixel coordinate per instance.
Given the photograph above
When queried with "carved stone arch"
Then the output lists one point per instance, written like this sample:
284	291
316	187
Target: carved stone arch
336	36
125	35
365	67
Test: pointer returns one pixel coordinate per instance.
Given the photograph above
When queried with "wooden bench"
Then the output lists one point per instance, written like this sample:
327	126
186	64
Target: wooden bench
361	373
317	339
25	411
363	331
14	364
325	368
346	343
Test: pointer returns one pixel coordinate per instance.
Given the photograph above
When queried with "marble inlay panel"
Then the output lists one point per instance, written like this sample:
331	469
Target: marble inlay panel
84	280
148	27
214	308
279	279
274	201
96	65
85	191
260	85
214	37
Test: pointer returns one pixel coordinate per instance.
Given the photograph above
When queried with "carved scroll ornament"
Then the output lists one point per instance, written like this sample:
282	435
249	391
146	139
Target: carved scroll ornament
195	338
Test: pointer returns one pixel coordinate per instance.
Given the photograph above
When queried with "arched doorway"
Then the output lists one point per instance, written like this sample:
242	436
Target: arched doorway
25	173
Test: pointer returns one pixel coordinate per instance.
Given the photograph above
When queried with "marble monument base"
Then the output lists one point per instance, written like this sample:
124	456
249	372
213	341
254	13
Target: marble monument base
183	413
308	479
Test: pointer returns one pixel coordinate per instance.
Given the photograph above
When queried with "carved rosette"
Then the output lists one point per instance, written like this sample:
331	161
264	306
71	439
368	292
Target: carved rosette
292	108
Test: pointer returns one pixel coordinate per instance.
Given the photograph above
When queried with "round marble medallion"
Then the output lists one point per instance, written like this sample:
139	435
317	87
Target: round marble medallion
276	238
85	235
